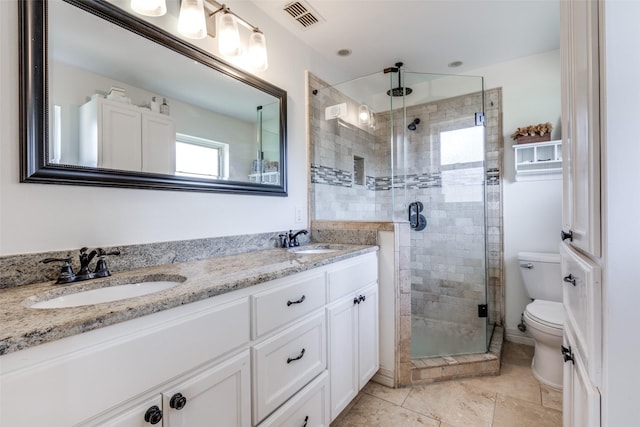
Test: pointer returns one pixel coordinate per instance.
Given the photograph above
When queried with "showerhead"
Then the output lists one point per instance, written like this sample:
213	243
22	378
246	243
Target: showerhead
412	125
397	91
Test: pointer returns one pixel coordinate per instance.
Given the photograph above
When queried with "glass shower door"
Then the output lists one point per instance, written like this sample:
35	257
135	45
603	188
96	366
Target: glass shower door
442	158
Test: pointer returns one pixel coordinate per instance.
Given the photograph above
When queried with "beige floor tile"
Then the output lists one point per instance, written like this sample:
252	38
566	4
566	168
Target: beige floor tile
514	380
517	354
551	398
392	395
373	412
454	403
514	412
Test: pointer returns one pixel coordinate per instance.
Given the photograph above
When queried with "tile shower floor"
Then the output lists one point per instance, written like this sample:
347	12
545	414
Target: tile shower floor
512	399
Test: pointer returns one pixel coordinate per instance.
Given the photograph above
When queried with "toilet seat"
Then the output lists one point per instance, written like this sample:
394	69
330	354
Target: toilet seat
547	313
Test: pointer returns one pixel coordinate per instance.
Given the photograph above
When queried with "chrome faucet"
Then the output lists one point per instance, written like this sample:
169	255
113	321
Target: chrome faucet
67	275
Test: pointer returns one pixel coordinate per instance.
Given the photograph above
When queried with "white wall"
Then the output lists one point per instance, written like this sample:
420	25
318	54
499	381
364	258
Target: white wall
38	217
621	207
532	209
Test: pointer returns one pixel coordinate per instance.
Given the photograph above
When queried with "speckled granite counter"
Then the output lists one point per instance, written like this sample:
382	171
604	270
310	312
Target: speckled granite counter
24	327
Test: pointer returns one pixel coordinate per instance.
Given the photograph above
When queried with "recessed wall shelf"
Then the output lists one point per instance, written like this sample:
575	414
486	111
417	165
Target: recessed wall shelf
538	160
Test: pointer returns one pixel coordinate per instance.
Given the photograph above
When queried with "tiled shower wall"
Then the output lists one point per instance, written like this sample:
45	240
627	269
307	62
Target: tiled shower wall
334	195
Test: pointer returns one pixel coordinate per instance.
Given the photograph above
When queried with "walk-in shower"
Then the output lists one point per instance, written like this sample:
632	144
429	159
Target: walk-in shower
422	157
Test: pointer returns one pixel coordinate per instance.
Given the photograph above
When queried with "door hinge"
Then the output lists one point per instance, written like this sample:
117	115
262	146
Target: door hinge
483	311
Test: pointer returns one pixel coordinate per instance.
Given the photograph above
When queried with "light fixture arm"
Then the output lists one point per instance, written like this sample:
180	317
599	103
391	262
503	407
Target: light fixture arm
225	9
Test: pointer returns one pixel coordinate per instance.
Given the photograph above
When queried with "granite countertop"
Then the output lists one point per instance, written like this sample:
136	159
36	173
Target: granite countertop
24	327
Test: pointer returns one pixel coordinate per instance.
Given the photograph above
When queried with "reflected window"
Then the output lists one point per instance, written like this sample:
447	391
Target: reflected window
462	164
201	157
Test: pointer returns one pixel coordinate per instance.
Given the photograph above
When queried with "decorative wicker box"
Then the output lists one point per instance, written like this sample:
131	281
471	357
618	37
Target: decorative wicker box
522	139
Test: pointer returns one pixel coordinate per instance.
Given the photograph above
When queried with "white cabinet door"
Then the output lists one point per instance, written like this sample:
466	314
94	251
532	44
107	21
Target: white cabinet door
119	141
353	345
158	144
580	398
343	353
216	397
368	336
580	120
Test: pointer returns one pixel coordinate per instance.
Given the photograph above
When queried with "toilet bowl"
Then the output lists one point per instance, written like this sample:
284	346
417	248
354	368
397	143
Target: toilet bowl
544	317
544	320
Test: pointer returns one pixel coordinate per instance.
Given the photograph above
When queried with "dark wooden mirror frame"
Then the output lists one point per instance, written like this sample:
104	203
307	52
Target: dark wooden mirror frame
34	109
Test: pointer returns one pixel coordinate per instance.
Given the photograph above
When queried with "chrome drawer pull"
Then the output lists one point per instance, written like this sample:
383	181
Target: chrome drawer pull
296	302
528	266
292	359
570	279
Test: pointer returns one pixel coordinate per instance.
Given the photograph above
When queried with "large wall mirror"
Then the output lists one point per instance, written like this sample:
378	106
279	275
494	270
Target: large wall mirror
110	99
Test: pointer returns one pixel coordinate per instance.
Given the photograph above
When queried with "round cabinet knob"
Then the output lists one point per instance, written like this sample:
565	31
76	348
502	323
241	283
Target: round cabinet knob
153	415
564	235
178	401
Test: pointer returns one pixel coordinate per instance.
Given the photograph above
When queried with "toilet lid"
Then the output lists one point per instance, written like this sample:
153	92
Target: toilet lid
547	312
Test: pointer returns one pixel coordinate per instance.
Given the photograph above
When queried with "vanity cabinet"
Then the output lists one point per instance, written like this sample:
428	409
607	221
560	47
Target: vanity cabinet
116	135
92	377
254	356
353	331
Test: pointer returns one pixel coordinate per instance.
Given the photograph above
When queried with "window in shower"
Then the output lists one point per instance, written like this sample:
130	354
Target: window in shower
462	165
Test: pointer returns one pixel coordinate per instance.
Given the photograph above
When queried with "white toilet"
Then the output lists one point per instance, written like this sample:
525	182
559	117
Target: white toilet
544	317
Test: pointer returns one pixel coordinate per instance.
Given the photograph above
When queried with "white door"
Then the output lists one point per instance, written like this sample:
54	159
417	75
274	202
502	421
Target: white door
216	397
120	142
343	353
581	130
368	335
158	144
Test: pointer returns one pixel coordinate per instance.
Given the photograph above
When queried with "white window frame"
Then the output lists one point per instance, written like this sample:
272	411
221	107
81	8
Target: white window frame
223	154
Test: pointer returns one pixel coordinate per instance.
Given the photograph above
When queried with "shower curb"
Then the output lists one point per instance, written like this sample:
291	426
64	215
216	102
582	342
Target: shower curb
445	368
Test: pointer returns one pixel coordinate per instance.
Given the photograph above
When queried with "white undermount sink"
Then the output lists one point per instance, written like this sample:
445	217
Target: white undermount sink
107	294
313	249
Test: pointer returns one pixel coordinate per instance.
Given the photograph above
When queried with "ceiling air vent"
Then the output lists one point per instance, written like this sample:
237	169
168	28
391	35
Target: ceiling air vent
303	13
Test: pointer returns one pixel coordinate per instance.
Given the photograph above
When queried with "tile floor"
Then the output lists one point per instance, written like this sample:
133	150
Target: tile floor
512	399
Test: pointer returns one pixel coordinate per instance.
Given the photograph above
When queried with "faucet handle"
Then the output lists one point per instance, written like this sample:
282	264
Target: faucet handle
101	269
66	274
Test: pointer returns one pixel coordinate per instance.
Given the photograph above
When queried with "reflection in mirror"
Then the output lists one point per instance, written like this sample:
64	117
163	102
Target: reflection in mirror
146	112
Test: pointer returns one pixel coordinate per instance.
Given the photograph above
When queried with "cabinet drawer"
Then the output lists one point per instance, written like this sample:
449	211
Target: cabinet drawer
279	306
582	297
284	363
310	407
349	276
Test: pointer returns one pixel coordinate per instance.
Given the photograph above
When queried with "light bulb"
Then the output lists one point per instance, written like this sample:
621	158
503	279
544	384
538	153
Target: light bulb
192	23
149	7
364	115
228	36
258	51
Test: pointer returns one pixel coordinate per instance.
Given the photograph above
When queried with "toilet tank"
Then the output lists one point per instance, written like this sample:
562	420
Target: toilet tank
541	275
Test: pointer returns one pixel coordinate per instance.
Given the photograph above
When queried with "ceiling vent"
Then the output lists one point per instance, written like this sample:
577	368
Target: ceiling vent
303	13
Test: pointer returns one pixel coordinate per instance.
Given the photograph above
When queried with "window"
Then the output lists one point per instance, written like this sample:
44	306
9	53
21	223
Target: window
201	157
462	164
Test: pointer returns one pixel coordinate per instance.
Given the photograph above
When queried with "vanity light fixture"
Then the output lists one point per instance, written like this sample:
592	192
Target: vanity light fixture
149	7
192	23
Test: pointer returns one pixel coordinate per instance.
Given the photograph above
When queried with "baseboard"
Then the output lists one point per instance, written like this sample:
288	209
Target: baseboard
514	335
384	377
